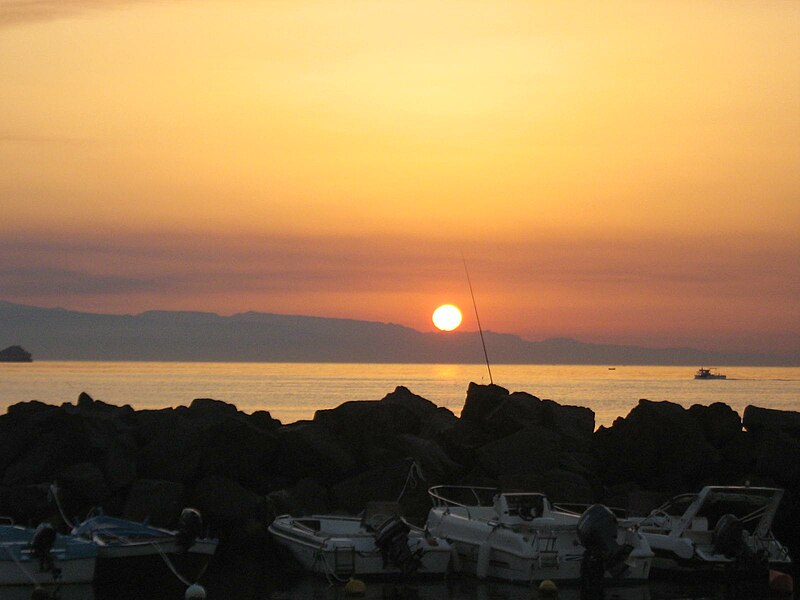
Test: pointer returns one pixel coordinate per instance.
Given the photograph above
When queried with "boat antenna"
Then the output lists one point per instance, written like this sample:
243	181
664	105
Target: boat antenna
477	318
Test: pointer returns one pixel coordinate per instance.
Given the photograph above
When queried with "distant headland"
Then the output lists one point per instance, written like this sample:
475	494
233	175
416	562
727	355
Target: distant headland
15	354
59	334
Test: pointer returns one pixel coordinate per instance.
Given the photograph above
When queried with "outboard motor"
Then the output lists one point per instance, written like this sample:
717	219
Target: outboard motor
391	537
190	527
727	538
597	531
42	544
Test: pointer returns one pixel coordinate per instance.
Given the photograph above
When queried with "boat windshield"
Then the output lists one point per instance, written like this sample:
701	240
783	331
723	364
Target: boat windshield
747	507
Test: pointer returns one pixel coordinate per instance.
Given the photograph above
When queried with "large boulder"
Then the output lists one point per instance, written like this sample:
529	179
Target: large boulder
659	445
157	502
778	457
502	413
387	482
237	449
36	444
27	503
306	497
429	456
758	420
433	419
307	450
84	482
719	422
557	484
530	451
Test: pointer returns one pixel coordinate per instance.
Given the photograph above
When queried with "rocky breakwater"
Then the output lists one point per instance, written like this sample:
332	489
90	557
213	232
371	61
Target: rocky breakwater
240	470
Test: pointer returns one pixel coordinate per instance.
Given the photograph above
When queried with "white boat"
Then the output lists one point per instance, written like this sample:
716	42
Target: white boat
379	543
703	373
127	548
120	538
43	557
522	537
720	527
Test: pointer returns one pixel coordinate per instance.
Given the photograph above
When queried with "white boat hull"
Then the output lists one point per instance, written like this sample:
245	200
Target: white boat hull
487	550
26	571
153	548
353	552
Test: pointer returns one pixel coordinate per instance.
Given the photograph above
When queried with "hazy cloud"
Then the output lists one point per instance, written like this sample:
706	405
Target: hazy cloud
14	12
55	282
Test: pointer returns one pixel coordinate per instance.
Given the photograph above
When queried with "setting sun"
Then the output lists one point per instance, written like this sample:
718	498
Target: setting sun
447	317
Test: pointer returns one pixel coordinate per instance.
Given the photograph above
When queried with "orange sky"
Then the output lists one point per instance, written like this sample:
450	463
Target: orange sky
616	171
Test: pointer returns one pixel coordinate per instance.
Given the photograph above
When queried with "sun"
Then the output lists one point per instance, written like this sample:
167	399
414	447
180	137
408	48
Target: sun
447	317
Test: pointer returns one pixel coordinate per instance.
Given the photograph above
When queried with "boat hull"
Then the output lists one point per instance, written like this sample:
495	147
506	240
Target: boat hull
487	550
355	553
25	572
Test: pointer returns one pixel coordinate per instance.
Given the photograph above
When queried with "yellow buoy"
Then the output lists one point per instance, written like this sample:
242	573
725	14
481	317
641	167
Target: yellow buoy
548	589
355	587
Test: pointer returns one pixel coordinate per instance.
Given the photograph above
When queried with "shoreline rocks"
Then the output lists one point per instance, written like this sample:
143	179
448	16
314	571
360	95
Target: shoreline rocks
241	470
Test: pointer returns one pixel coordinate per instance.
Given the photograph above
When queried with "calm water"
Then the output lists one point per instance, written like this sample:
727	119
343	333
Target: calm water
455	588
293	391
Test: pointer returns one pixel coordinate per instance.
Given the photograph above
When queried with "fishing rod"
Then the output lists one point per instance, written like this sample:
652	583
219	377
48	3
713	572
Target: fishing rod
478	319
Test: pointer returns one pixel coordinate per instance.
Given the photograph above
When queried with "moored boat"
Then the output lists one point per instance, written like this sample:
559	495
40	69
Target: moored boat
379	543
522	537
721	528
44	557
129	548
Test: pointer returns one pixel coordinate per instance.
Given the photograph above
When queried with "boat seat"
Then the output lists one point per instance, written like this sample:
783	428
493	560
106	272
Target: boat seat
377	512
699	524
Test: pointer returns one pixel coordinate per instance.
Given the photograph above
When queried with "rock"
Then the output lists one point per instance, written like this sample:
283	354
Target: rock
307	450
433	418
157	502
659	445
382	483
778	457
462	441
224	501
15	354
212	409
236	449
263	420
503	414
84	483
719	422
306	497
174	456
533	450
27	503
37	444
558	485
757	419
481	401
429	456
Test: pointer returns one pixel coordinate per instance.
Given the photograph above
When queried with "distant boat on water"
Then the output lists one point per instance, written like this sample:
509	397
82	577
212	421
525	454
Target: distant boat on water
709	374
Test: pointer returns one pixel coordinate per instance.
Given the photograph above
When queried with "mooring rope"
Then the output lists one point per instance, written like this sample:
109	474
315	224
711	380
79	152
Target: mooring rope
412	479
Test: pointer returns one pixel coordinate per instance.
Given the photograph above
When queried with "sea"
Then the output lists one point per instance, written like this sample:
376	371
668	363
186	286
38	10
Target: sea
295	391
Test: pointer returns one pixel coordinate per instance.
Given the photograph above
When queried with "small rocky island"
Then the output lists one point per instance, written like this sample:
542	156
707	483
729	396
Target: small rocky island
241	470
15	354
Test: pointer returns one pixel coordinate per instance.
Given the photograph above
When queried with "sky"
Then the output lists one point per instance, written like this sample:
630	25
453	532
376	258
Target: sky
615	172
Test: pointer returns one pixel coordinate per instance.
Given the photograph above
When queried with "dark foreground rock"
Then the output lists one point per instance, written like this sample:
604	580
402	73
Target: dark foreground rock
241	470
